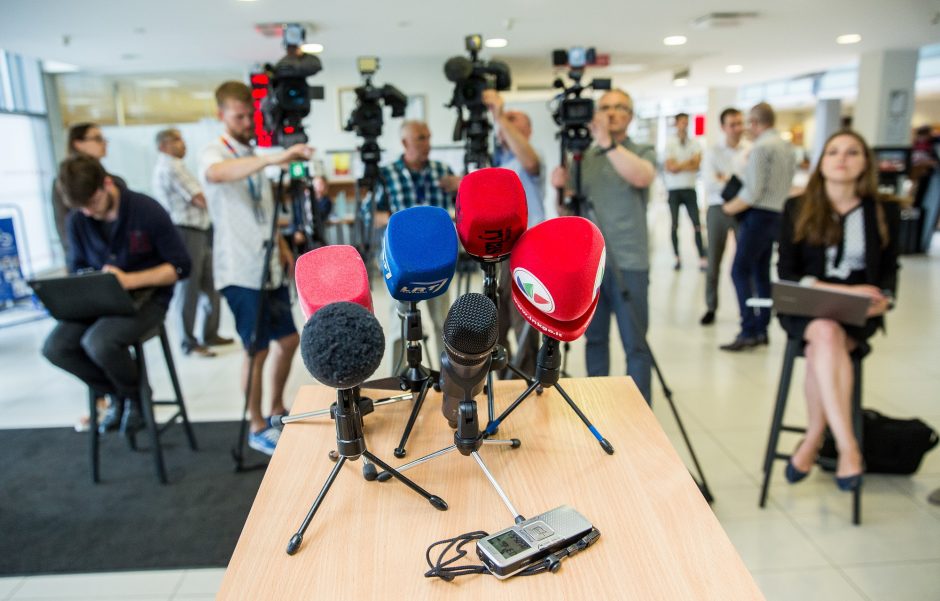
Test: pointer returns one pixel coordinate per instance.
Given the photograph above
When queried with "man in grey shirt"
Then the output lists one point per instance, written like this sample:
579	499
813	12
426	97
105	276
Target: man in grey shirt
616	176
767	178
181	195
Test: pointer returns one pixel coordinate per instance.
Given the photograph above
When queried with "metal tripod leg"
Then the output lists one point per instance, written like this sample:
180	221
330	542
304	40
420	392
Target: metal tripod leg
493	424
415	409
434	500
502	495
608	448
298	537
384	476
289	419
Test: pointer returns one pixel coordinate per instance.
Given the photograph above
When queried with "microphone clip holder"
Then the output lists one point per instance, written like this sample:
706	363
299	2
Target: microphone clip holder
350	445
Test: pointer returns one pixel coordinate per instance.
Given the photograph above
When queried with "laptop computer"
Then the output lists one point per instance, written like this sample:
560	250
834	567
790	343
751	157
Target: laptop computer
83	297
790	298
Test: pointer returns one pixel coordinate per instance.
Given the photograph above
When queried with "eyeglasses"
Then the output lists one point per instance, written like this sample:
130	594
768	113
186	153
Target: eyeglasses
622	108
99	139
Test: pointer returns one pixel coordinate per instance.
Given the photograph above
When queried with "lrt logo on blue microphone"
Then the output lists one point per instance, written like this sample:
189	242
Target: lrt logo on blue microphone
424	287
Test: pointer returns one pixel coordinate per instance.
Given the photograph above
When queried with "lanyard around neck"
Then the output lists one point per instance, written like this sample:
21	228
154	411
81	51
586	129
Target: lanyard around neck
253	189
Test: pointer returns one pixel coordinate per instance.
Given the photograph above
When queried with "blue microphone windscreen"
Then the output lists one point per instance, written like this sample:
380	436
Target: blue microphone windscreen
420	253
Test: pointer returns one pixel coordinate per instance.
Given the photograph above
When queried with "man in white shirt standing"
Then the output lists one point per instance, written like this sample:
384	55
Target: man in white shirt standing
181	195
726	158
683	155
241	206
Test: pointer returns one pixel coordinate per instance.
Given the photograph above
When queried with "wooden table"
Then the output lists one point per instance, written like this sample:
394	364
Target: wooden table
659	539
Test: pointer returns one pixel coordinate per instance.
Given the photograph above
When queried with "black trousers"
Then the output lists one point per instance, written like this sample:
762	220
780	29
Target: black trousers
98	352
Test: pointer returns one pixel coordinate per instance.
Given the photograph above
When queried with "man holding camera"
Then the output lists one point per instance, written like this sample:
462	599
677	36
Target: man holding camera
114	230
616	176
413	180
241	206
513	151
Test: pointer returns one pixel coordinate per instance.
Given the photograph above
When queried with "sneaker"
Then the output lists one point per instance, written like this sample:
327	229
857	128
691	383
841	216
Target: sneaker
678	265
219	341
264	441
708	318
703	265
112	417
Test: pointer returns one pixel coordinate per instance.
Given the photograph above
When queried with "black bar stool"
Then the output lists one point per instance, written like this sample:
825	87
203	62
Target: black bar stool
147	403
795	348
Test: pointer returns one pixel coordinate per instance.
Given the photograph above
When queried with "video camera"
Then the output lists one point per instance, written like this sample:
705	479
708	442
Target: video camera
471	77
366	119
572	112
288	99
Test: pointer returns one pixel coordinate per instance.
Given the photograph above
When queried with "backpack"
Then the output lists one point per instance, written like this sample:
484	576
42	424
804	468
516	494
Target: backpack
890	446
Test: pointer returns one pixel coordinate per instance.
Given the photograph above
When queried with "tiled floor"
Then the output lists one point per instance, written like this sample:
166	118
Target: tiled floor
802	547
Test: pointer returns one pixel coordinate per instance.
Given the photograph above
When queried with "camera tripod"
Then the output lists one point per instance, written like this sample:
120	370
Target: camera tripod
350	445
582	206
268	247
467	440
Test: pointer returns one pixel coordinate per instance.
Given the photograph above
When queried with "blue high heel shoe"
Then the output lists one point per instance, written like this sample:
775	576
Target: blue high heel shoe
792	474
849	483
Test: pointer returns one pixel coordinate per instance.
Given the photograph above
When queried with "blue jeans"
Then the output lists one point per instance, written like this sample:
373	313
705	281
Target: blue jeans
632	322
751	269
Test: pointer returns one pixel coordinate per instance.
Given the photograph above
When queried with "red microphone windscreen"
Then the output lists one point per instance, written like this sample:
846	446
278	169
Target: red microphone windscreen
491	212
557	268
331	274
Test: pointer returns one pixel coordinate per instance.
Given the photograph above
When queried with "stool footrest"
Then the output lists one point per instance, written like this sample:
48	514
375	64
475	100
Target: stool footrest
793	429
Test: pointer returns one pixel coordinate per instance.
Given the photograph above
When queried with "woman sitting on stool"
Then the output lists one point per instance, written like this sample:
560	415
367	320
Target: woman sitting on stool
840	235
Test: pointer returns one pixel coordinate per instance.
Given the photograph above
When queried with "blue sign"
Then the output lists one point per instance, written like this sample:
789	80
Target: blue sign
12	284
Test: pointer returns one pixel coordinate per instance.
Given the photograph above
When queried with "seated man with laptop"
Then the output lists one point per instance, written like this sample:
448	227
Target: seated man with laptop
129	235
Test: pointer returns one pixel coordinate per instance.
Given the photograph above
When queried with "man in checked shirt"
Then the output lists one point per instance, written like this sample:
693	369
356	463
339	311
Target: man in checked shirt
413	180
180	194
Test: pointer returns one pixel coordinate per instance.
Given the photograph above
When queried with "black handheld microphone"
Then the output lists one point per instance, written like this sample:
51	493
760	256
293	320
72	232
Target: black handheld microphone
470	332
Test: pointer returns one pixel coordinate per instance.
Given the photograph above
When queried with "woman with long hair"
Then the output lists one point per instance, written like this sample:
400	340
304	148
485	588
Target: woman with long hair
839	234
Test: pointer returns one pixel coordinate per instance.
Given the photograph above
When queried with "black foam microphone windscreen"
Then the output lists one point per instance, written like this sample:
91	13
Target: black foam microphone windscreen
458	68
342	345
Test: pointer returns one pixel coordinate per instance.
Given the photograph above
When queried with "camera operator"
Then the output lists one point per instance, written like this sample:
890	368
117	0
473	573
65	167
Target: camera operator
616	176
241	206
414	180
513	151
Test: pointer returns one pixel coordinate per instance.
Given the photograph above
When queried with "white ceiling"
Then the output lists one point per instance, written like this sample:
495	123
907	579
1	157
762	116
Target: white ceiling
786	39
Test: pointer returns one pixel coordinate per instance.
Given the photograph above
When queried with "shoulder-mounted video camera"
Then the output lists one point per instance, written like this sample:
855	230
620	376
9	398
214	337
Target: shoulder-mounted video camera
288	99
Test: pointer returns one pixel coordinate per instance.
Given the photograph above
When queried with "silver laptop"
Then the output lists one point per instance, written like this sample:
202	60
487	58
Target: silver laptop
790	298
83	297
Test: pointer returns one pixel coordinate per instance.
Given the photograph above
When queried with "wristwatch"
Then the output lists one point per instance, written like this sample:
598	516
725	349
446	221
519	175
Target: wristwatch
613	145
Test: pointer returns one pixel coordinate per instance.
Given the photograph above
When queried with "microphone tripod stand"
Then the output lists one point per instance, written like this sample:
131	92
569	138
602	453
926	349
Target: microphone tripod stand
582	206
500	358
350	445
467	440
546	375
414	377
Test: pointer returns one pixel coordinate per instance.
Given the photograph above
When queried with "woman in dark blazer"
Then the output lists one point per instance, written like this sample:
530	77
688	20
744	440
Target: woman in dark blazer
838	234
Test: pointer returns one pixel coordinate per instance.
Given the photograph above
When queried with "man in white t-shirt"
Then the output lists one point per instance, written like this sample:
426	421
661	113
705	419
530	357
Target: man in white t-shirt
726	158
241	206
683	155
